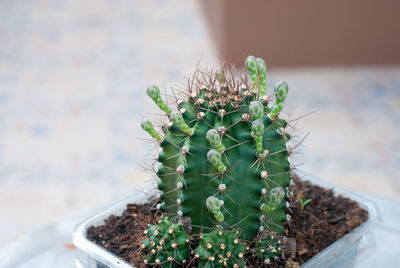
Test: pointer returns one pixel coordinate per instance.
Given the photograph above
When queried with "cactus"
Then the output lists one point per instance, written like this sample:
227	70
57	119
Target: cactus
166	243
223	165
220	248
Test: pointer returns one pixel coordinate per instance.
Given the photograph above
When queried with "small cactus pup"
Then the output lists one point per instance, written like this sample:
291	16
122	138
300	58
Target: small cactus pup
223	167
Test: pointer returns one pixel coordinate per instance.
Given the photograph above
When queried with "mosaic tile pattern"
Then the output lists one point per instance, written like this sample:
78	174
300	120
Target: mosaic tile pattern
72	79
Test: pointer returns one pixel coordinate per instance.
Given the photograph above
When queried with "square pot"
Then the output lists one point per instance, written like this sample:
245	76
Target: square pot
342	253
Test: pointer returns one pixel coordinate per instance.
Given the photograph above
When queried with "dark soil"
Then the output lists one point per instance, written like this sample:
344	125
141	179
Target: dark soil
121	234
324	220
320	223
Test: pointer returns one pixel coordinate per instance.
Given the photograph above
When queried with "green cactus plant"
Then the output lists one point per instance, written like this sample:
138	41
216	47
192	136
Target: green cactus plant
166	242
223	165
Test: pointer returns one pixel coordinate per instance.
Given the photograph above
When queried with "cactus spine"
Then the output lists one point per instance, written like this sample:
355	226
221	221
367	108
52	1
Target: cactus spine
223	164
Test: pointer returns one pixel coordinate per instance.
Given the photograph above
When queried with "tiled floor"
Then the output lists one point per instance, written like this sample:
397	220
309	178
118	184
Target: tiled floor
72	79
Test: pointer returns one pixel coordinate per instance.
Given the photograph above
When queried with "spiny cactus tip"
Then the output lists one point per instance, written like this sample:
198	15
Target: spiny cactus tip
154	93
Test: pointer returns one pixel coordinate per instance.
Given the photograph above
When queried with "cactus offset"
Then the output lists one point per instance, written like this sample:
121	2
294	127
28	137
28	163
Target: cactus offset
167	242
223	164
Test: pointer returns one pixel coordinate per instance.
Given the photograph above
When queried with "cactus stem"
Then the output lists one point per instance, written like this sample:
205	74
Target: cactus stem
233	201
256	110
257	132
213	205
281	90
154	94
232	125
149	128
215	158
245	159
232	179
257	69
177	119
214	138
174	156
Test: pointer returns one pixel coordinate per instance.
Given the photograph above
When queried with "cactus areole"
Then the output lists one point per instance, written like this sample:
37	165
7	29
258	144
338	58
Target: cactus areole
223	167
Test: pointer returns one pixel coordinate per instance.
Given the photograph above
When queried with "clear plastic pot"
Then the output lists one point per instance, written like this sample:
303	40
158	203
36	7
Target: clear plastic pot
343	253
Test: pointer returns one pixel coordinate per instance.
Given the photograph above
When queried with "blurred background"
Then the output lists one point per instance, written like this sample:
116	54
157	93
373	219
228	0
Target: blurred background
72	91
